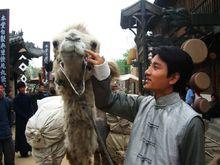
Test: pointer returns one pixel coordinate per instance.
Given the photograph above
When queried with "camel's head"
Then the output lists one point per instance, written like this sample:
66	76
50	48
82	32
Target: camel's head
69	53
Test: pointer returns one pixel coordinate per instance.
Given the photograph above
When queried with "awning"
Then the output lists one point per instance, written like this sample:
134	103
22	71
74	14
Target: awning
127	77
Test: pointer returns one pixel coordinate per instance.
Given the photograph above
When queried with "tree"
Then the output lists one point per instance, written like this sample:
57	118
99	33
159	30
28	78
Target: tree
122	64
32	72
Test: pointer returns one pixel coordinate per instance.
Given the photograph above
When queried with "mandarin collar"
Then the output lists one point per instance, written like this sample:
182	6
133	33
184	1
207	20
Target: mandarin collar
168	99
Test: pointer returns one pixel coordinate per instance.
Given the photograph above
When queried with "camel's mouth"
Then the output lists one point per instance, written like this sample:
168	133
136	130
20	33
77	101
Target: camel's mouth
78	87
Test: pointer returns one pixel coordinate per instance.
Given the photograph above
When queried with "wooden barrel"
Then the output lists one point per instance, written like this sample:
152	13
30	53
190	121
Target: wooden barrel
131	55
197	49
201	105
200	81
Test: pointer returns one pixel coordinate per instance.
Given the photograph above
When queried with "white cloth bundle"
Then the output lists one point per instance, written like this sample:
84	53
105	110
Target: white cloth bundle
44	131
45	127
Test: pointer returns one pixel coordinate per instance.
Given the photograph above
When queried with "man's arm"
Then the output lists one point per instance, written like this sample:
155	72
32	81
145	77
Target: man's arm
117	103
192	150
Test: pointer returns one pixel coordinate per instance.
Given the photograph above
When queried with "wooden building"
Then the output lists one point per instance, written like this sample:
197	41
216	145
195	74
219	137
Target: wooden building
20	54
172	22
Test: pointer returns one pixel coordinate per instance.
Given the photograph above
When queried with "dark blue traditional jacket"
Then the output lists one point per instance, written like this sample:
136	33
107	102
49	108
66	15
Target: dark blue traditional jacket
5	118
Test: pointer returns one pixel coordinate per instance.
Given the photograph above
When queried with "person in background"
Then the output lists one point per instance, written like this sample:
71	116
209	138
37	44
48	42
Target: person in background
190	96
38	96
52	91
119	128
23	111
10	97
214	110
41	92
165	129
6	142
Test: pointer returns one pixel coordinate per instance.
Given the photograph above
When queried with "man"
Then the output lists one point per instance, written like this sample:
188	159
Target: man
6	142
23	111
41	92
38	96
190	97
165	129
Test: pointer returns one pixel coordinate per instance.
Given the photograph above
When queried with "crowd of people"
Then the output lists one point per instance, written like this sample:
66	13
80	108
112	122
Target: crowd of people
165	129
16	111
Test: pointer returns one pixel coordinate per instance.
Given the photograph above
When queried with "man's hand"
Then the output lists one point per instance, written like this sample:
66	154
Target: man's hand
94	58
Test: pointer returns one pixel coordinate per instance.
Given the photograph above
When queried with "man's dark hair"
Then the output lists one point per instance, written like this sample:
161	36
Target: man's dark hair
2	84
41	84
178	61
20	84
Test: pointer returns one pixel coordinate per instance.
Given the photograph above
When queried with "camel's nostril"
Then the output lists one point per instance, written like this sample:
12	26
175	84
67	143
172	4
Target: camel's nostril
93	45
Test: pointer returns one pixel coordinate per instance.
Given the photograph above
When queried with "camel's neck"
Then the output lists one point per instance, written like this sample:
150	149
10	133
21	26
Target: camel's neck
75	106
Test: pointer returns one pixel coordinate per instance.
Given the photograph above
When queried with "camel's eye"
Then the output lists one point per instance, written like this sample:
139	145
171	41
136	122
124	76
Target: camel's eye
55	44
93	45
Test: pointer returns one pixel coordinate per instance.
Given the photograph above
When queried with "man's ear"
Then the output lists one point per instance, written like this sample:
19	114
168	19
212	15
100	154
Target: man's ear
174	78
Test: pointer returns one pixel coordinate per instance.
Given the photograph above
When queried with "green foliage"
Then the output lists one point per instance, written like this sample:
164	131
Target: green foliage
32	72
122	64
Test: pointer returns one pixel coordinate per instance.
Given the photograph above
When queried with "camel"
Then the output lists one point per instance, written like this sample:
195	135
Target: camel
73	82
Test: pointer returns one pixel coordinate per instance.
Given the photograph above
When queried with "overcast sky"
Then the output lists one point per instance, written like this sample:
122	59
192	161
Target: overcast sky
41	20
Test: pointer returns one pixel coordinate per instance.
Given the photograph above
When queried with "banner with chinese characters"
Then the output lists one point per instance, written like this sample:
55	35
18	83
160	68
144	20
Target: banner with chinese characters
45	60
46	56
4	46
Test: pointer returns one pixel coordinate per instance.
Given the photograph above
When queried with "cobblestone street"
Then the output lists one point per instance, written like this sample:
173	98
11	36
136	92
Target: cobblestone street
30	161
212	146
212	141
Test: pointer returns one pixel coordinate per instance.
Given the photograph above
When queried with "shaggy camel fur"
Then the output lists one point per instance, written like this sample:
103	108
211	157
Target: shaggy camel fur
72	78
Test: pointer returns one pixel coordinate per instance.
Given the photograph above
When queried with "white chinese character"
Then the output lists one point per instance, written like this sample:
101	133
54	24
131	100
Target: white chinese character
2	59
2	65
3	18
2	53
2	31
2	39
3	25
3	46
3	79
3	72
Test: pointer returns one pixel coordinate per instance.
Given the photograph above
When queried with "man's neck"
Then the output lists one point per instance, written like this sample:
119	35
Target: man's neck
162	93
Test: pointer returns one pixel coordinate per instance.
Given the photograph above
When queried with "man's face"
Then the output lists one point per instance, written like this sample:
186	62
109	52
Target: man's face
156	76
2	89
22	89
41	88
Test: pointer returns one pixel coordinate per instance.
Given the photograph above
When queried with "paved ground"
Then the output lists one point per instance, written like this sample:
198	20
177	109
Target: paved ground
212	142
212	145
30	161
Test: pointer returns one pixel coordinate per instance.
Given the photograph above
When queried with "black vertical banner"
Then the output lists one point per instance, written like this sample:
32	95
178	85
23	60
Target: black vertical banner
4	47
46	58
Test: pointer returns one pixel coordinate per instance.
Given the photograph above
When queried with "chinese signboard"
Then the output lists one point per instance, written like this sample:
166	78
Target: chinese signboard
46	59
4	46
46	56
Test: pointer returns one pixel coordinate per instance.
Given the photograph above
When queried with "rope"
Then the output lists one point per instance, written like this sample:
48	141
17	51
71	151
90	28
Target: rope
86	110
74	89
89	116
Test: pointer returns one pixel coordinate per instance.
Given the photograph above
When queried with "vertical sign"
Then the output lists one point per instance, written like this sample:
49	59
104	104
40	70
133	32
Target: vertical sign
4	46
46	58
